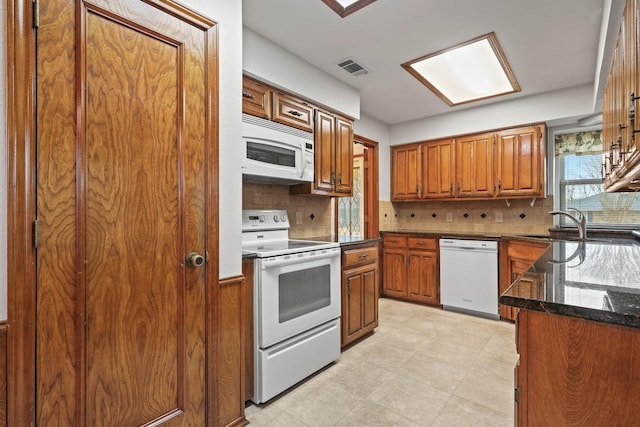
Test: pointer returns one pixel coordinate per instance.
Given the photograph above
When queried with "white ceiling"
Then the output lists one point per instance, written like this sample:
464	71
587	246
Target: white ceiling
550	44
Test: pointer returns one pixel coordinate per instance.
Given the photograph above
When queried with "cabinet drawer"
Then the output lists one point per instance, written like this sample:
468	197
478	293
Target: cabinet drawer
256	98
423	243
394	241
355	257
293	112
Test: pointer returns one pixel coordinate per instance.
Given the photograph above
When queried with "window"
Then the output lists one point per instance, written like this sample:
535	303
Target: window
351	209
578	158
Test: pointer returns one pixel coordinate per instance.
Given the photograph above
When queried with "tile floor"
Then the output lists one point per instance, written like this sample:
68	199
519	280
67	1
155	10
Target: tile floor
422	367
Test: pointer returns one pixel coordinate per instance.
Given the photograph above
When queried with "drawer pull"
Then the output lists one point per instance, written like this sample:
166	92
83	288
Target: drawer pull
294	113
420	243
363	256
392	241
247	95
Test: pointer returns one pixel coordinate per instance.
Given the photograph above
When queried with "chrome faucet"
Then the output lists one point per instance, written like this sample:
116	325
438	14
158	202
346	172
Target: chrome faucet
581	223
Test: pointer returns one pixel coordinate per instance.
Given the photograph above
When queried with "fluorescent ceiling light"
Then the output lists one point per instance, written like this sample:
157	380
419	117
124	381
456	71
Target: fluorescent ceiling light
471	71
346	7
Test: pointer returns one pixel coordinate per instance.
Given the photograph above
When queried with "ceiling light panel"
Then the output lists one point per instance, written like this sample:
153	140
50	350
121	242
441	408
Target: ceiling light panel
468	72
347	7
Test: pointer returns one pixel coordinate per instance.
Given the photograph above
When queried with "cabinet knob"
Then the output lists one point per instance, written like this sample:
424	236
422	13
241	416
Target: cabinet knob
363	256
294	113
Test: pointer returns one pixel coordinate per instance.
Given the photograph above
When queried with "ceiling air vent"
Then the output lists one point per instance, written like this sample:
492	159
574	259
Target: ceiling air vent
352	67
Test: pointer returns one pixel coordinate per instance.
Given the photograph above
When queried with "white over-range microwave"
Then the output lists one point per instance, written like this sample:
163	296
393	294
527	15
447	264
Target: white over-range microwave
275	153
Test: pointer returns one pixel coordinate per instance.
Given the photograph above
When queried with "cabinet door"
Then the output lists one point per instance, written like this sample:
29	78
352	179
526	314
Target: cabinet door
324	151
519	257
520	159
474	166
438	169
352	305
344	156
370	298
395	276
422	277
405	172
256	98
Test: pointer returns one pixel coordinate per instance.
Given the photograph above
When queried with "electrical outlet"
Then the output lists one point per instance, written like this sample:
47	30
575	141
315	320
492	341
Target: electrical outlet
498	216
298	218
449	217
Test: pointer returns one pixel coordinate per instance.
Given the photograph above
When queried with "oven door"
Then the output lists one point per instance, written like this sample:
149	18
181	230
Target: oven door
294	293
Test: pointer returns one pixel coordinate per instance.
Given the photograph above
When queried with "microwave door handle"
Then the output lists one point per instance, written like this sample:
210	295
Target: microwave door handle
304	162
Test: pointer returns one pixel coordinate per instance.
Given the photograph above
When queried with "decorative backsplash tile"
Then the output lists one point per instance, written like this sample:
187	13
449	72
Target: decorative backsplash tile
486	216
316	211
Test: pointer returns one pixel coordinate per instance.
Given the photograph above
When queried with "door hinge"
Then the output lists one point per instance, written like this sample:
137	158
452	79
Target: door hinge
36	14
516	394
36	234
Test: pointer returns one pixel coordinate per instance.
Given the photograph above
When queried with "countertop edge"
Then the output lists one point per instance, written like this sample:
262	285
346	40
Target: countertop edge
595	315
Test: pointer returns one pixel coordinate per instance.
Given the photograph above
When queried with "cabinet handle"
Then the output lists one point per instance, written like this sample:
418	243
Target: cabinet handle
348	288
247	95
340	178
363	256
499	185
451	188
294	113
420	243
392	241
458	188
333	178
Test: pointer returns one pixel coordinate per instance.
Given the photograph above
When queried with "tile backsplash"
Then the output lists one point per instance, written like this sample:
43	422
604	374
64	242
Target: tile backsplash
518	216
315	212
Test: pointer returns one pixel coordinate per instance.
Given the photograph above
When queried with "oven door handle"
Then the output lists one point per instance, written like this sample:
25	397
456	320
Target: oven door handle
293	259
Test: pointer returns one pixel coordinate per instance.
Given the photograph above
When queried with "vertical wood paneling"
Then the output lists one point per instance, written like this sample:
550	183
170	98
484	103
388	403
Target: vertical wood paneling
3	374
231	347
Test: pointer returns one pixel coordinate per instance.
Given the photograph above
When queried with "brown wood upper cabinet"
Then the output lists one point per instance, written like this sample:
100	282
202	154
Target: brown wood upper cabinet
333	136
256	98
507	163
520	162
620	127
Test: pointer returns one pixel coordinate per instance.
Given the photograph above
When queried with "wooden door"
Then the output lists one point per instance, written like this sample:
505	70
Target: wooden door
324	138
344	157
520	159
474	165
405	172
438	170
370	297
352	300
422	276
126	188
395	275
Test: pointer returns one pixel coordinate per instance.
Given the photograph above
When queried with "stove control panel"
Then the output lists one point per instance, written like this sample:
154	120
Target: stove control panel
258	219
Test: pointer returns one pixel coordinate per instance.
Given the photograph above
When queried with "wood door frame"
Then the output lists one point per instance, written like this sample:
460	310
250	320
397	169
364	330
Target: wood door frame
371	195
21	210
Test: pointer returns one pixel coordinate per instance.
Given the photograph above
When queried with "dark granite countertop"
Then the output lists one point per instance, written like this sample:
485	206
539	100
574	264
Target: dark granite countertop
343	240
596	280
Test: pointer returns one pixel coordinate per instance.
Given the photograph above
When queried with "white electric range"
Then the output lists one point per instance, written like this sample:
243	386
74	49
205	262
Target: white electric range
296	302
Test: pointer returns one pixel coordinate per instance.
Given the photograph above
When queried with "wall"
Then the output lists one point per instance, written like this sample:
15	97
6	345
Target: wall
229	16
3	166
269	62
375	130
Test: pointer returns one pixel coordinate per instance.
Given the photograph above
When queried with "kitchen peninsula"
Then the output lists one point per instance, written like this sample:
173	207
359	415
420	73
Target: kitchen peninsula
578	335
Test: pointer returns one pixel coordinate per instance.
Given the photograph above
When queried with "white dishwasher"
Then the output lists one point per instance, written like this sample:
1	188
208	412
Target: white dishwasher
469	276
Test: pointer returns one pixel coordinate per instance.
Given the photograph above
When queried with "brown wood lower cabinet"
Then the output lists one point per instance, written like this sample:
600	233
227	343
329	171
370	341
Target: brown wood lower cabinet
360	285
575	372
411	268
516	258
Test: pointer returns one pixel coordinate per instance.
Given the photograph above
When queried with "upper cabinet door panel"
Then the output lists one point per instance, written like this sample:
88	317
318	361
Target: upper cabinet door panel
438	169
344	156
405	167
474	165
519	162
